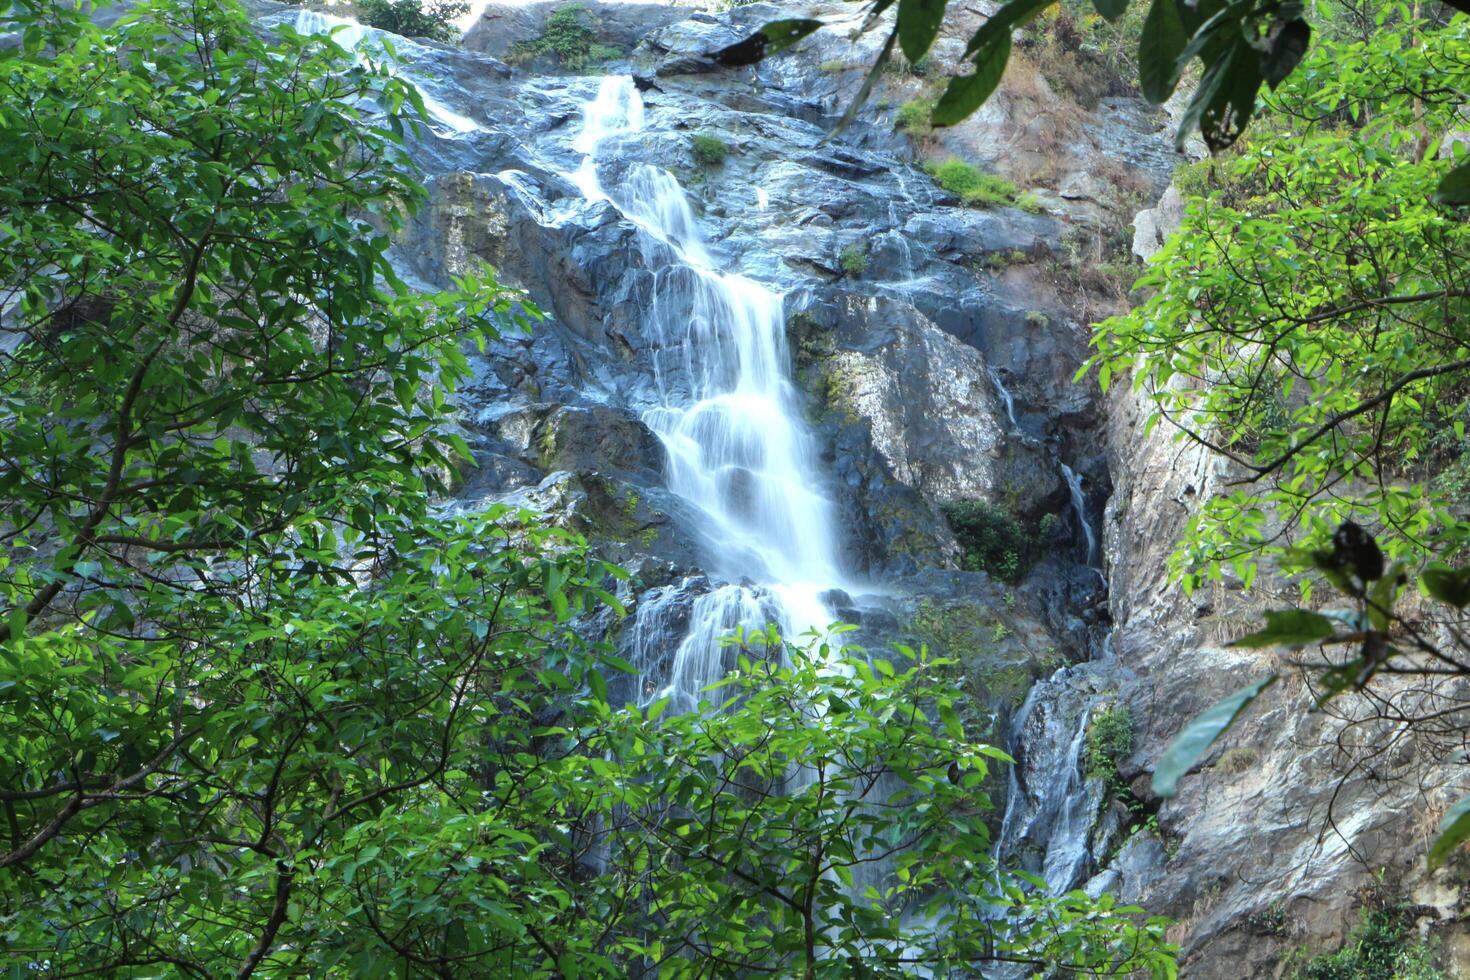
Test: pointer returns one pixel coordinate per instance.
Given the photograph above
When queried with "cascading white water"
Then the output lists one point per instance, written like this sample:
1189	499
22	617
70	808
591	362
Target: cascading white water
728	416
1079	504
1005	397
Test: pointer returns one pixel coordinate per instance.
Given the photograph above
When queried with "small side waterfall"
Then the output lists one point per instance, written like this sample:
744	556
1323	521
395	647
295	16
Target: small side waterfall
1079	505
727	413
1005	397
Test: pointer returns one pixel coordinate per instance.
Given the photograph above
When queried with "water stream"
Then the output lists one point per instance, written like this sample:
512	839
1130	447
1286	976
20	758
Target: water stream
722	402
1079	505
729	419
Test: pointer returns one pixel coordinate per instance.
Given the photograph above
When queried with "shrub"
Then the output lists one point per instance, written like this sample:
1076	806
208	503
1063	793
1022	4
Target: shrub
1381	947
992	540
414	18
566	39
913	117
974	186
710	150
1109	739
854	260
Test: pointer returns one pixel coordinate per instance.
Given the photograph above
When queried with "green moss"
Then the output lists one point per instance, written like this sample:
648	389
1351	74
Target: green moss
836	386
709	149
546	445
832	66
970	633
976	187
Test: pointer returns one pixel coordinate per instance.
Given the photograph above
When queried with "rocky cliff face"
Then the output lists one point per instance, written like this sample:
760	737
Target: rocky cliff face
934	347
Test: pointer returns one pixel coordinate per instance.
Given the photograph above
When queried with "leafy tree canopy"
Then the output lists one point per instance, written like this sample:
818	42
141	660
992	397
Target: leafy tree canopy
1307	326
1307	321
414	18
266	709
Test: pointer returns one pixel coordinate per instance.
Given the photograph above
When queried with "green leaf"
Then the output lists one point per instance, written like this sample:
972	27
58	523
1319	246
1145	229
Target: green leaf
1454	187
1197	737
772	38
1454	829
1449	585
1111	9
1383	596
967	93
1001	23
1289	627
1159	46
598	684
918	24
1284	51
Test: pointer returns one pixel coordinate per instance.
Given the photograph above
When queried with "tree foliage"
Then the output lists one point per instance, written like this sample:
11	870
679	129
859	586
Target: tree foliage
414	18
267	709
1241	48
1306	325
1307	320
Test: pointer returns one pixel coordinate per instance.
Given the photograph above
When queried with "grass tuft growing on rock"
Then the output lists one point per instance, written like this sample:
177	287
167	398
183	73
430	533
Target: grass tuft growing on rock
709	149
913	117
976	187
854	260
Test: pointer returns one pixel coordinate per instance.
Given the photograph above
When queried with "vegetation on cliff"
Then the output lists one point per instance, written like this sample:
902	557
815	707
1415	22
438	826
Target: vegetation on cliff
266	710
1306	325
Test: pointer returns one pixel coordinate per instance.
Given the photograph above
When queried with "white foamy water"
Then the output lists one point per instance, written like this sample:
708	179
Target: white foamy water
728	415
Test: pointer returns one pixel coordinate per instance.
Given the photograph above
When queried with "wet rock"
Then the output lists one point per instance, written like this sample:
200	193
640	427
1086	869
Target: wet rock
500	27
928	402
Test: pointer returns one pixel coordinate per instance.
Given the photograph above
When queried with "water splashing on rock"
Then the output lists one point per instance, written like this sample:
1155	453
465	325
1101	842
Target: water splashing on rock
729	418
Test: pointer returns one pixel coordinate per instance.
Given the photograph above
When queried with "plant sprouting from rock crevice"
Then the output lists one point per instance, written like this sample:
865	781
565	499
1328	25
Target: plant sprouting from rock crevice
567	39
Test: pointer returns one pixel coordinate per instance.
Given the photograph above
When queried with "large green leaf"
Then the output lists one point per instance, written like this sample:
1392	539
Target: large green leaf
967	93
1451	585
1192	743
1454	830
772	38
1111	9
1002	22
1159	47
1454	187
1287	46
918	23
1289	627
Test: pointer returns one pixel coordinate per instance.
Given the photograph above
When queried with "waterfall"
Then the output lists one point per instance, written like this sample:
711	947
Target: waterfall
1005	397
1050	806
1079	504
728	415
